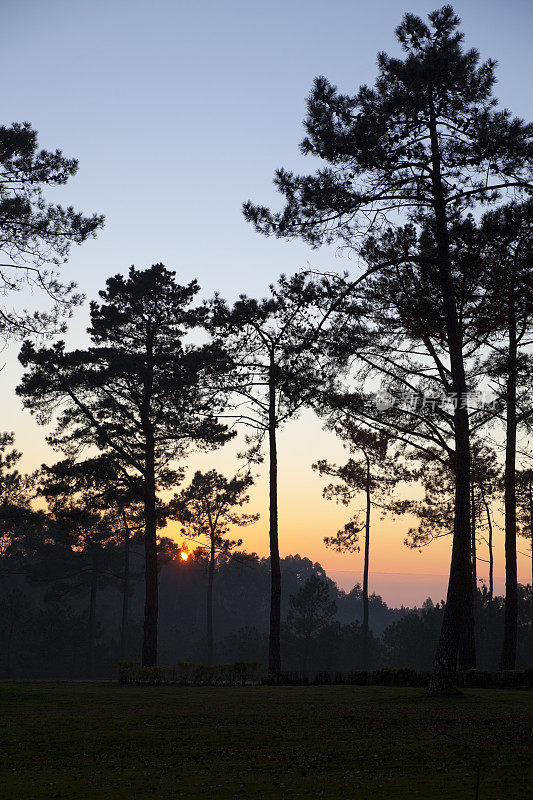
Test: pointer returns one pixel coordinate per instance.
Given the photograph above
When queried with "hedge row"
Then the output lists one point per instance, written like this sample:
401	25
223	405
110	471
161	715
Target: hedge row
187	673
239	673
473	678
379	677
508	679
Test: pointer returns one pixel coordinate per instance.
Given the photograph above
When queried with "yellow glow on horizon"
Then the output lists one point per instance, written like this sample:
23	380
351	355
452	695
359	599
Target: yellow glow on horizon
305	517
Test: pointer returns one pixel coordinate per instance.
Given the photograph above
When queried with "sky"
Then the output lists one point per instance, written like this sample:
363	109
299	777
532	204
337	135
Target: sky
180	111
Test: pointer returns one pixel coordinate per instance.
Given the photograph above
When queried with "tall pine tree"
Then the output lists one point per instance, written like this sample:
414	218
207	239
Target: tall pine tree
427	140
139	392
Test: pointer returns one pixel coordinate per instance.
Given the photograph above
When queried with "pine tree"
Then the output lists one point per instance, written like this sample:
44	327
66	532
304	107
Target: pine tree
33	232
116	496
524	503
138	393
368	471
505	324
276	349
427	140
209	507
310	610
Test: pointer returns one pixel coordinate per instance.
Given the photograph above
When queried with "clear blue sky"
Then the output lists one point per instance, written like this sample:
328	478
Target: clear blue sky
178	112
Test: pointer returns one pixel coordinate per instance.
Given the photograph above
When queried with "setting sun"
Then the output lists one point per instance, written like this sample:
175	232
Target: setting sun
184	556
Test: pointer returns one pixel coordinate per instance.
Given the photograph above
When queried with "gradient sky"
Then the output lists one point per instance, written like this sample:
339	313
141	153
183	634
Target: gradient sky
178	112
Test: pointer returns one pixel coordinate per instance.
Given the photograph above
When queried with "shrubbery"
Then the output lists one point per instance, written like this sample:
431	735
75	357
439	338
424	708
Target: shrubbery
509	679
189	673
240	673
379	677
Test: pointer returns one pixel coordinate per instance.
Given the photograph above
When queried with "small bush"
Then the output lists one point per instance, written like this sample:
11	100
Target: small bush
294	679
199	675
474	679
410	677
127	671
286	679
357	678
185	672
383	677
219	675
323	679
245	671
156	676
512	679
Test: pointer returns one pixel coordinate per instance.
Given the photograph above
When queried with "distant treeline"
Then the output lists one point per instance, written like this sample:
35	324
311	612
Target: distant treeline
45	626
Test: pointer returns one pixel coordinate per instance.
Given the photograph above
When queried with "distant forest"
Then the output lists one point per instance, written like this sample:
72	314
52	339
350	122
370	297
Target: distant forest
62	629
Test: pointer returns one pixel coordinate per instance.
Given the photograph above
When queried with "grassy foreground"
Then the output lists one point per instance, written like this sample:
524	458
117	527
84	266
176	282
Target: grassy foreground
61	740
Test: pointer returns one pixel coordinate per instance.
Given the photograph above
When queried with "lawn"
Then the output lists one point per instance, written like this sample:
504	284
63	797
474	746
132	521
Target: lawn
61	740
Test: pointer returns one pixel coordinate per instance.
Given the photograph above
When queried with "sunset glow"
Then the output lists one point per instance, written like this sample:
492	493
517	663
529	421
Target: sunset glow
307	360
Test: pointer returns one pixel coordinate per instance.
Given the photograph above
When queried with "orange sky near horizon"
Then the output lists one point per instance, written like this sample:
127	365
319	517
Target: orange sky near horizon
398	573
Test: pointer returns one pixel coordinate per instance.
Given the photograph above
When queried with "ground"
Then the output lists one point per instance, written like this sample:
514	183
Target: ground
91	740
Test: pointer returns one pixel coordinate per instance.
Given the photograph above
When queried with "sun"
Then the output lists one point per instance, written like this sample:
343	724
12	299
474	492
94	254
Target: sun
184	555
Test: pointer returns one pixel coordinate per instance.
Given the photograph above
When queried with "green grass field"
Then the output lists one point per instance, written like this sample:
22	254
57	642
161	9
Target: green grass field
61	740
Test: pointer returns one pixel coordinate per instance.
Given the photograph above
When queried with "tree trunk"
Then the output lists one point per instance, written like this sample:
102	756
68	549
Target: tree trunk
531	540
508	656
474	544
531	531
210	577
125	589
490	609
491	553
365	566
467	644
149	652
92	615
9	646
306	656
459	599
274	649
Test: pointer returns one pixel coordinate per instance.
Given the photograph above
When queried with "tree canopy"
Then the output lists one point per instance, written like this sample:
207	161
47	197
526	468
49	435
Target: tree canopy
34	232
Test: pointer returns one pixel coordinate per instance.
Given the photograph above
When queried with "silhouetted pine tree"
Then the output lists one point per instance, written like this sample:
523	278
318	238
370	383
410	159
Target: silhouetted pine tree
139	392
33	232
279	365
208	507
427	140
